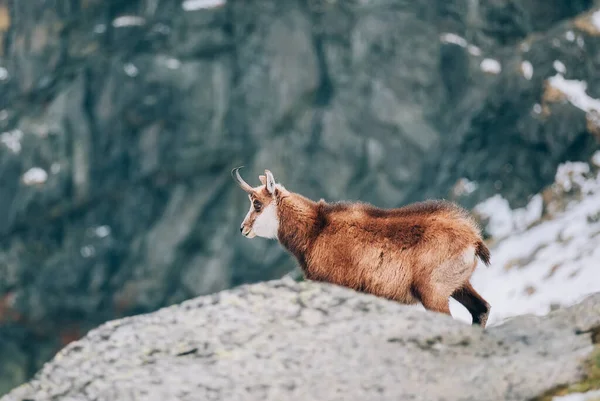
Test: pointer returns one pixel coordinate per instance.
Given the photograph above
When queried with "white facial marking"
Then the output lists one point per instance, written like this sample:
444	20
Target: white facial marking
469	255
267	223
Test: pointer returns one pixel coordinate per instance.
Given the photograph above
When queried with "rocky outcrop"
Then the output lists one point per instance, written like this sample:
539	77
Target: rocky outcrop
537	110
306	341
120	122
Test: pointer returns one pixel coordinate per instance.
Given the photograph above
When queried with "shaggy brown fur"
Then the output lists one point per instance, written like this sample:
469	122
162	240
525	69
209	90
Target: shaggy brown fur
424	252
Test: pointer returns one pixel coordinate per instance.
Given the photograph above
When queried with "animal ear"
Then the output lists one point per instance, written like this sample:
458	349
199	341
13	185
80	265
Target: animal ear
263	179
270	181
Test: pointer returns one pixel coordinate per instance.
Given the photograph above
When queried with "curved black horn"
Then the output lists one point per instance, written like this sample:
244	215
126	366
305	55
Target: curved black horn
243	184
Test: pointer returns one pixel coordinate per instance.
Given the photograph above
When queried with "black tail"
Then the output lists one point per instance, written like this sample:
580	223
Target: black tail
483	253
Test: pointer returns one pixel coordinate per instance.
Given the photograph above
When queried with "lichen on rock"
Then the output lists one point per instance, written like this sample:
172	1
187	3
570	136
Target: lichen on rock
307	341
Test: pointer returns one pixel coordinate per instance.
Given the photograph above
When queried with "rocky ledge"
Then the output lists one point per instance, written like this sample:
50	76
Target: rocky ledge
307	341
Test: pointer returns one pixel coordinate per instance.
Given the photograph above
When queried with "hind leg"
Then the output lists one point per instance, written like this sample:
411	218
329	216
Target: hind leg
432	300
434	291
475	304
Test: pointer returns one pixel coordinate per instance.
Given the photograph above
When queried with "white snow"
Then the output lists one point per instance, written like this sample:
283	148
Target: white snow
575	91
128	20
571	173
100	28
588	396
527	69
173	63
468	185
474	50
570	36
35	175
12	140
453	38
503	221
3	74
491	66
537	108
553	262
497	210
102	231
88	251
191	5
559	66
596	158
458	40
131	70
596	20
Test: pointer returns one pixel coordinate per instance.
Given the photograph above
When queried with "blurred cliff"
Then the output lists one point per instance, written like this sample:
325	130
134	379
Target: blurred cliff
121	119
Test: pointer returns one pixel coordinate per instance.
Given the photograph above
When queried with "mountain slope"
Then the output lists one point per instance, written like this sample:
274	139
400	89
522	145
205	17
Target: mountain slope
546	254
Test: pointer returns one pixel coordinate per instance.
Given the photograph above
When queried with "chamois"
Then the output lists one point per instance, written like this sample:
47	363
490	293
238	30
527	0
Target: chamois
423	252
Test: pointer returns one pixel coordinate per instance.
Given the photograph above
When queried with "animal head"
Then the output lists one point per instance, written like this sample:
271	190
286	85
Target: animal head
262	219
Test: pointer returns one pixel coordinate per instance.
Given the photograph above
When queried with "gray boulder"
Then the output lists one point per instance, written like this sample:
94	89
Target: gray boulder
306	341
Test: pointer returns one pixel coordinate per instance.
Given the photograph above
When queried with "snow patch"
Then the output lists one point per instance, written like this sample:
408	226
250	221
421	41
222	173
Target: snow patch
469	186
12	140
454	39
100	28
575	91
458	40
491	66
102	231
88	251
537	108
596	20
131	70
35	176
474	50
502	220
571	174
464	186
527	69
192	5
524	217
570	36
3	74
550	264
128	20
559	66
596	159
173	63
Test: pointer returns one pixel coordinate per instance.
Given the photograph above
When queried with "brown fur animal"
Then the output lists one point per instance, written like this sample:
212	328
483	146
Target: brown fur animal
424	252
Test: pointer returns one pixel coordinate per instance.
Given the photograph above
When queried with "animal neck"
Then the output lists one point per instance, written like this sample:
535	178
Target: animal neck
297	223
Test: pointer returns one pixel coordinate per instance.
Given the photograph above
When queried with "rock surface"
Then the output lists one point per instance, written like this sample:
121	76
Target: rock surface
305	341
120	122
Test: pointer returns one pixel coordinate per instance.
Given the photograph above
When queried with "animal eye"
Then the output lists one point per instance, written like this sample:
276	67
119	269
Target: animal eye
257	205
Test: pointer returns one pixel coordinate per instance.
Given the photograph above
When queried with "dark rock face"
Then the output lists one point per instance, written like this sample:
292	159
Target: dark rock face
305	341
120	121
529	132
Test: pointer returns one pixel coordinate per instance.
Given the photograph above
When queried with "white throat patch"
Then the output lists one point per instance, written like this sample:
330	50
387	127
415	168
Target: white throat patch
267	223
